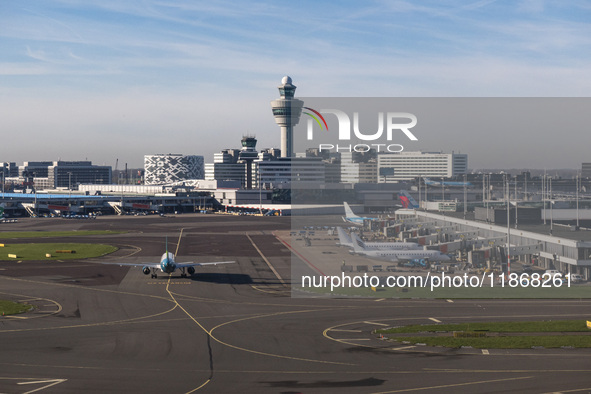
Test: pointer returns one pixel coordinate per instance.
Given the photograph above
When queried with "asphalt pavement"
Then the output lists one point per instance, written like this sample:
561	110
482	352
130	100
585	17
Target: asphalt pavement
236	328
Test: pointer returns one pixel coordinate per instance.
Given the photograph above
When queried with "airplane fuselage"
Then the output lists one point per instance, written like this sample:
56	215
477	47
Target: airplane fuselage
167	264
395	255
358	220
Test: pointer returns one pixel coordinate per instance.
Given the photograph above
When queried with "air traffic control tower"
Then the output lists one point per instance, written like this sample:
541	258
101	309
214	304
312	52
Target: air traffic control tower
287	111
248	154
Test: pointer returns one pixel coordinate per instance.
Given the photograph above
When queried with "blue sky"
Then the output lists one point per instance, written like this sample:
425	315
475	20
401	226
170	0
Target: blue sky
119	79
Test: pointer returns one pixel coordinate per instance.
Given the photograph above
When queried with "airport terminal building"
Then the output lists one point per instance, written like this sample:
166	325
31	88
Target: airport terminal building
565	250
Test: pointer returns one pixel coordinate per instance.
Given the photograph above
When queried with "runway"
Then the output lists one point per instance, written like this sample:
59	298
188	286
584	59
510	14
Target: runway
236	329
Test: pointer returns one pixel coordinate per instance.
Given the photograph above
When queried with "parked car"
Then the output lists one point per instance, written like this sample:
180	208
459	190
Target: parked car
576	278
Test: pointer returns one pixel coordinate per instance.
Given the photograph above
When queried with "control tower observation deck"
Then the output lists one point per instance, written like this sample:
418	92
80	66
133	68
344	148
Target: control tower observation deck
287	111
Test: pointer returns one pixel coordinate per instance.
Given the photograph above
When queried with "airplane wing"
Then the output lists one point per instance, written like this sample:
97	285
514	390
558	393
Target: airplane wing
191	264
151	264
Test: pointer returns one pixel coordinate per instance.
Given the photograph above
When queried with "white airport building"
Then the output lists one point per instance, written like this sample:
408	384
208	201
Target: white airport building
411	165
285	170
357	172
170	168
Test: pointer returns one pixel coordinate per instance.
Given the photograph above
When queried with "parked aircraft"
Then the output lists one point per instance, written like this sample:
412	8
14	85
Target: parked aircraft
352	218
345	240
396	255
408	202
168	265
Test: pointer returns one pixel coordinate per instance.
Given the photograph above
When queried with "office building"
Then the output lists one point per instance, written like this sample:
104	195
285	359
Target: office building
285	170
358	168
586	170
410	165
42	175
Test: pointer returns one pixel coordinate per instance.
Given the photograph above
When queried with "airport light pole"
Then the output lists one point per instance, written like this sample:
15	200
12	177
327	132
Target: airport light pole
508	232
544	195
419	192
442	205
577	194
515	201
551	208
483	187
487	176
426	197
465	193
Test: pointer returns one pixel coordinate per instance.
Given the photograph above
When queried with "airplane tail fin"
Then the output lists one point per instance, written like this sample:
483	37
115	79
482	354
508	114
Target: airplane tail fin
358	244
344	238
408	202
348	211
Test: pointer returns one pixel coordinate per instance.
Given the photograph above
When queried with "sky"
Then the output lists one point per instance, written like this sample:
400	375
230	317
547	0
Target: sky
111	79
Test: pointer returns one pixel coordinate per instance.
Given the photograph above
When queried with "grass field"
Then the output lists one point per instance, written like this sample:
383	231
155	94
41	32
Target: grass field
574	291
12	308
513	326
499	335
506	342
52	234
37	251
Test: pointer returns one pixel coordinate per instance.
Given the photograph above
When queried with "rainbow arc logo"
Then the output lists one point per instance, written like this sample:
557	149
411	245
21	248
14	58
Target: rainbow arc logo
316	118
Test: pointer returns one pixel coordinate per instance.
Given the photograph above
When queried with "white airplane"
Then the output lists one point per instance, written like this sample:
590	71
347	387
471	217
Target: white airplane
345	240
446	183
168	265
352	218
396	255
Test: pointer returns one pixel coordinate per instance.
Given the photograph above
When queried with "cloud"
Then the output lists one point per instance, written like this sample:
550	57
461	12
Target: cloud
138	70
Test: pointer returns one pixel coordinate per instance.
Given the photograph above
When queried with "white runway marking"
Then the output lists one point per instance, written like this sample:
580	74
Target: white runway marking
377	324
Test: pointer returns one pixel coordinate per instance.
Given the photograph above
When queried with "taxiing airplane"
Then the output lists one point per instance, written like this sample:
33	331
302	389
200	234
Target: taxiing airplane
345	240
396	255
168	265
352	218
446	183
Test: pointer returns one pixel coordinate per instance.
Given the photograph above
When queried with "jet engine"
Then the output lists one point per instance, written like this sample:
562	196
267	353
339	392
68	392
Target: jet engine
146	270
191	270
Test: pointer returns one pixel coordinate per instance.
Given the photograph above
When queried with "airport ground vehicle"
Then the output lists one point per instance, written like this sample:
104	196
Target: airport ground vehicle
576	278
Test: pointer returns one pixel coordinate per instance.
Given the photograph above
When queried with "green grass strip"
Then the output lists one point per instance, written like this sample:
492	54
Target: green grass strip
37	251
506	342
574	291
535	326
12	308
52	234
